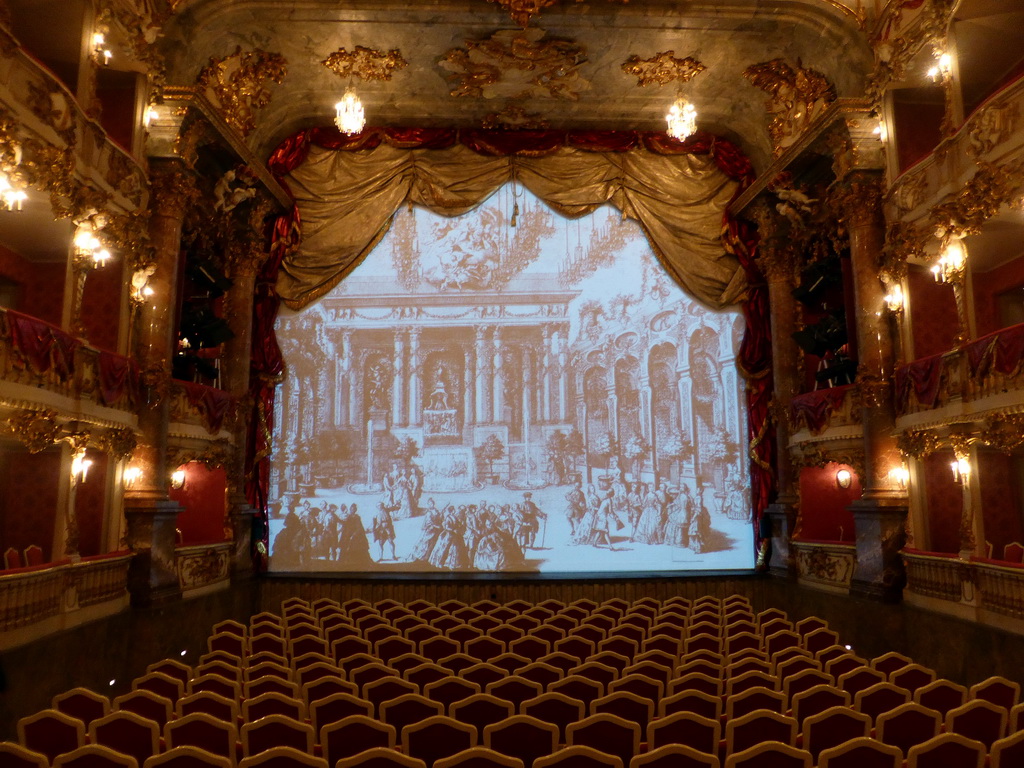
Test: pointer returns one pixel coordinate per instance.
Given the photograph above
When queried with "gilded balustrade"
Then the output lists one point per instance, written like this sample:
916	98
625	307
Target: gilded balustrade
38	355
49	597
825	564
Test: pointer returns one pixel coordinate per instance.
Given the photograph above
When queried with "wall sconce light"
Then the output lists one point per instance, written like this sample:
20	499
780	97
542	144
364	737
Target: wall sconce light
178	479
881	131
952	262
943	67
131	476
150	117
79	467
961	470
89	247
844	478
99	48
901	476
894	298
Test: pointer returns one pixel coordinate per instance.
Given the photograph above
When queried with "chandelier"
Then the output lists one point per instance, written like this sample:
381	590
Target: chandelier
11	194
681	119
952	264
348	113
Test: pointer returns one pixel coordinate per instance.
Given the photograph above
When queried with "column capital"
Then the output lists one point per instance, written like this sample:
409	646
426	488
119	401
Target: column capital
857	201
172	188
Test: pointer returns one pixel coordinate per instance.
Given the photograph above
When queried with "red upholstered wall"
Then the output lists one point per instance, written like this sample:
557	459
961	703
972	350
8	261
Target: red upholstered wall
205	501
933	319
917	113
41	284
90	503
823	504
28	498
987	286
944	499
101	306
1000	500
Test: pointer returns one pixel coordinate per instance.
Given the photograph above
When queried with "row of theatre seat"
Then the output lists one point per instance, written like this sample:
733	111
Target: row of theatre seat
646	684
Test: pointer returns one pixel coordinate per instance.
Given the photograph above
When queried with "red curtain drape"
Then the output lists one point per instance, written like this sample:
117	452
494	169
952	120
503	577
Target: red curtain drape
740	238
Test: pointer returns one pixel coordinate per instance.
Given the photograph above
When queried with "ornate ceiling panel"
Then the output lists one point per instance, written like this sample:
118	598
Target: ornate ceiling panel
468	61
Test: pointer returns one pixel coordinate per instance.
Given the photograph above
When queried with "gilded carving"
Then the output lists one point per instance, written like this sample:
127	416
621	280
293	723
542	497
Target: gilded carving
796	97
118	442
918	443
911	192
857	202
237	84
898	43
516	64
903	241
1004	431
50	103
991	127
980	198
514	118
36	430
172	189
121	176
365	63
218	453
815	455
662	68
129	234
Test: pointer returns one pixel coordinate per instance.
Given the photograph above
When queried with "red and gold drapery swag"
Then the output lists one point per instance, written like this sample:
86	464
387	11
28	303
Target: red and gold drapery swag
349	189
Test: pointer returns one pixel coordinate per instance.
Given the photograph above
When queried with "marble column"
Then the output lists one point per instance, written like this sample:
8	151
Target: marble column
244	261
149	513
880	512
545	366
778	259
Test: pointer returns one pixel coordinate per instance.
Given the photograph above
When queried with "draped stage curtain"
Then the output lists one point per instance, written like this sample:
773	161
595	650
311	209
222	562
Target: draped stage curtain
347	190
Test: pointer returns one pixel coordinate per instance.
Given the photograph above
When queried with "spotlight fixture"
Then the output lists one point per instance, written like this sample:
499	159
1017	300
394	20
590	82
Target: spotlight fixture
844	478
349	115
681	119
178	479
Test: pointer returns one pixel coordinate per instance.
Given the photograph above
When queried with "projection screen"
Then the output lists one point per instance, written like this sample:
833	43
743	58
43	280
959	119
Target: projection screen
510	391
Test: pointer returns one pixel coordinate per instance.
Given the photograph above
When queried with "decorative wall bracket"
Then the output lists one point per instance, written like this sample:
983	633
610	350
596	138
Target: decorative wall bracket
797	96
237	84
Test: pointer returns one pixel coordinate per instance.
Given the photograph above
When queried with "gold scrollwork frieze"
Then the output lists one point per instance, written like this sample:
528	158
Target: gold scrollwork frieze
818	455
217	453
237	84
979	199
797	96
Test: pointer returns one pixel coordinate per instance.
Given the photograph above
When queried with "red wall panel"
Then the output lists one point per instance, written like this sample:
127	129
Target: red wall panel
823	504
205	501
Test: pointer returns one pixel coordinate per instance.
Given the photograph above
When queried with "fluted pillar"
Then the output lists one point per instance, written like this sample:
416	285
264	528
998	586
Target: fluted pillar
149	513
879	513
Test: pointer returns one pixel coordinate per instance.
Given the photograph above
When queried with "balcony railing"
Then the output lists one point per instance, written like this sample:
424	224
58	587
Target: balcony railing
203	567
825	563
201	406
46	598
826	409
934	574
980	369
36	354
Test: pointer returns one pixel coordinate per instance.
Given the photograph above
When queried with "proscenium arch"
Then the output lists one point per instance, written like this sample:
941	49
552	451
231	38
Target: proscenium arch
521	151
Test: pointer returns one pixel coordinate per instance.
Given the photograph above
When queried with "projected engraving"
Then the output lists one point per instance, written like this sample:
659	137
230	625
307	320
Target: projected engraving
510	391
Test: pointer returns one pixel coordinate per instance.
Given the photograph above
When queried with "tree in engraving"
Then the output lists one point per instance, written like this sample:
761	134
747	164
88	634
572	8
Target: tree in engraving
633	451
407	450
490	451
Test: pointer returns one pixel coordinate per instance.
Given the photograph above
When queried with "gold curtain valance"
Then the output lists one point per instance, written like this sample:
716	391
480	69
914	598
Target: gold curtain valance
347	200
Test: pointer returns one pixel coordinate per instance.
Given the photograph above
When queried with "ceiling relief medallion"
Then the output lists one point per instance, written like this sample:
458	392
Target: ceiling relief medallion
517	64
797	96
365	63
662	68
514	118
237	84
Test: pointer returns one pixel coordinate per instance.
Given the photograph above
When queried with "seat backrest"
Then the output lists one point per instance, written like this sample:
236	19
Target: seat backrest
522	736
607	733
94	756
128	733
675	756
578	756
147	704
697	702
478	757
380	757
408	709
769	754
817	699
51	732
354	734
879	698
12	558
941	695
998	690
161	684
947	750
273	703
437	737
82	703
276	731
702	733
555	708
759	726
1007	752
833	727
187	756
861	752
979	720
908	725
204	731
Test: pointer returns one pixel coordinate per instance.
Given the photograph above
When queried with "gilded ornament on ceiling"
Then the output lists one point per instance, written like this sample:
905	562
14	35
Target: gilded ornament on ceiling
517	64
522	11
237	84
797	95
662	68
365	63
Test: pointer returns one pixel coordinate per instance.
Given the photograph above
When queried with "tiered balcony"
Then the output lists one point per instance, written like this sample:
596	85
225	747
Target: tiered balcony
827	413
980	376
40	363
39	600
981	589
201	409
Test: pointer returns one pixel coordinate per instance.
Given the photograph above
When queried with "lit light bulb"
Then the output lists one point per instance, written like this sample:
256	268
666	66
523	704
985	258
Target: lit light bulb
681	119
349	114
